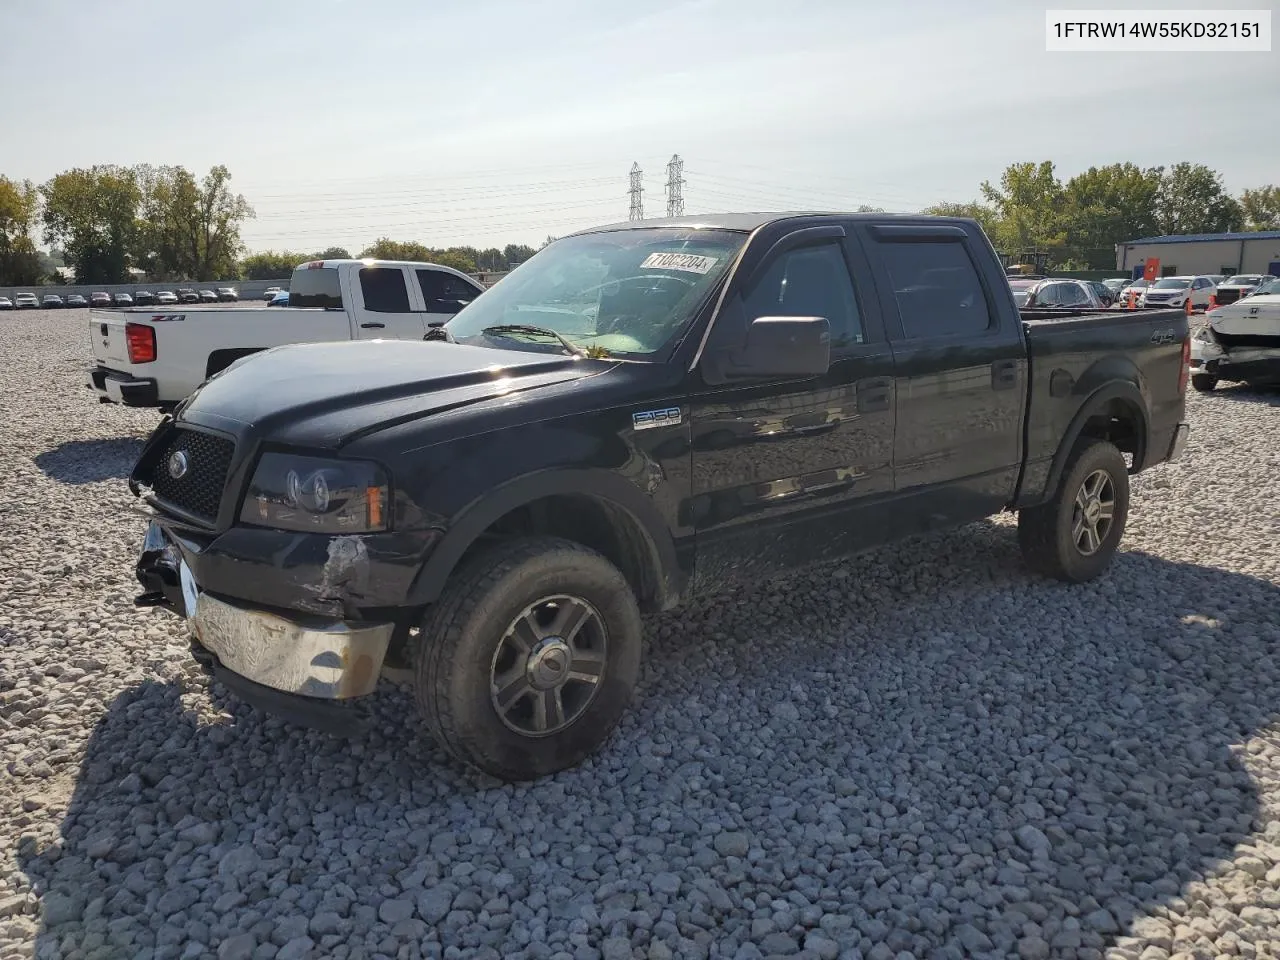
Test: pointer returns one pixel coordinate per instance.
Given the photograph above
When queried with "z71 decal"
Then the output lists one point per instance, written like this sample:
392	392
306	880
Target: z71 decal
648	419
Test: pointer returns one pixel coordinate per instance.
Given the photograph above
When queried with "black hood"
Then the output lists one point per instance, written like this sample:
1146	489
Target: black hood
327	394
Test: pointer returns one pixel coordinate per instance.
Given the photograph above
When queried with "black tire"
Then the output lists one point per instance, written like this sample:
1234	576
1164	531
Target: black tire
467	631
1047	533
1203	382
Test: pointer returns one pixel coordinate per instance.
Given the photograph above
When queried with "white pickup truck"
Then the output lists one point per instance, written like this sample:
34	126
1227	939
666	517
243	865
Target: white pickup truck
147	357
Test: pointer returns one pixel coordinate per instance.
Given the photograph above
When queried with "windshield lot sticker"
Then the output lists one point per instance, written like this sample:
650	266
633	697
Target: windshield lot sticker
688	262
648	419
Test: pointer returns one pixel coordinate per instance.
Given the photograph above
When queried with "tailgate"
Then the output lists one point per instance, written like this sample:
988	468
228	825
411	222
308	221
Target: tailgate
106	332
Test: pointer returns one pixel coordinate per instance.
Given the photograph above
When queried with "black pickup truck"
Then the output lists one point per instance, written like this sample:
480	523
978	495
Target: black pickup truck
638	413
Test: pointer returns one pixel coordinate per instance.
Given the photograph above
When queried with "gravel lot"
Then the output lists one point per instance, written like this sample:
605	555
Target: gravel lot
925	752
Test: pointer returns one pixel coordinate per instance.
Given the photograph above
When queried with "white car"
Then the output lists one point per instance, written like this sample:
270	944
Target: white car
1239	342
1174	292
146	358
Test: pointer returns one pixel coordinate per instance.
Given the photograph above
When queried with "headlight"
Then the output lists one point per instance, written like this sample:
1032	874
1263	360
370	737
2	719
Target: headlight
291	492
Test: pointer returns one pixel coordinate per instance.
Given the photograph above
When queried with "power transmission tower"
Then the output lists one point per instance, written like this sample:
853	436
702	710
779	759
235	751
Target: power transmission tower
637	193
675	180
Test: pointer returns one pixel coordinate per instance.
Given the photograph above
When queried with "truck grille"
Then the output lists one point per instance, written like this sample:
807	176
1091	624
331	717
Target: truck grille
199	489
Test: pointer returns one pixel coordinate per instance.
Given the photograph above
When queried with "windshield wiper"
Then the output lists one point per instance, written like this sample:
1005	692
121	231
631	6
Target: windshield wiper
541	331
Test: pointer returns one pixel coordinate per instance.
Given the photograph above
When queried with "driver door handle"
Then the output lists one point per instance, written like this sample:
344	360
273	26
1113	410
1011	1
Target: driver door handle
372	326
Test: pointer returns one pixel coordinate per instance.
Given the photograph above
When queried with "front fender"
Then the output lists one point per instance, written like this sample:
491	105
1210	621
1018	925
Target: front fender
659	547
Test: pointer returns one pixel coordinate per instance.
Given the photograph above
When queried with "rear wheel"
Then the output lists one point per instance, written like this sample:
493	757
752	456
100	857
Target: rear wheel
1203	382
1074	536
528	662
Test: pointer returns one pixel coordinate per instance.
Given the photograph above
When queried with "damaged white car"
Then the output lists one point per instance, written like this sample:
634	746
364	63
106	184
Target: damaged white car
1239	342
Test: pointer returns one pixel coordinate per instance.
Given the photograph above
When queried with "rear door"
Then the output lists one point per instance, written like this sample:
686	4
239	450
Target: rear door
960	371
383	308
443	294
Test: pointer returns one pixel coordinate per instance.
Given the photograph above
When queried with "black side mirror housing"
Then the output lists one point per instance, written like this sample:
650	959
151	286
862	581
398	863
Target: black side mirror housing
775	347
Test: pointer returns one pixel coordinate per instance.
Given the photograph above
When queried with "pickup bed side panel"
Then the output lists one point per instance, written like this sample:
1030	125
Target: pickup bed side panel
1098	366
187	337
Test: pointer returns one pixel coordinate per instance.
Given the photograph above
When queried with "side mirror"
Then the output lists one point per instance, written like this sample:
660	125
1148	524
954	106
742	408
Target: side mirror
777	347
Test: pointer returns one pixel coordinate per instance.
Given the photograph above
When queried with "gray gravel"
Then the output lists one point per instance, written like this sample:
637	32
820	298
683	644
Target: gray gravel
925	752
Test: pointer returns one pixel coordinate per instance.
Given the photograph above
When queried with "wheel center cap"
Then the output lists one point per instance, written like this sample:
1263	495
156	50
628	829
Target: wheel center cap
548	664
1092	510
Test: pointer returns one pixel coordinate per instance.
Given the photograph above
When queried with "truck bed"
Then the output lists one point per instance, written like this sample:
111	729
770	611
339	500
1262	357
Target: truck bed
1072	353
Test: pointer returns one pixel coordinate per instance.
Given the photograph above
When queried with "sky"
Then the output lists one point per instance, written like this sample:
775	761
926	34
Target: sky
505	121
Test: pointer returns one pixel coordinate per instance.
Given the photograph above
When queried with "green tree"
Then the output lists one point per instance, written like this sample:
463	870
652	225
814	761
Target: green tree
93	214
1028	205
331	253
20	262
517	253
273	264
1261	208
190	229
490	259
1192	199
985	215
384	248
1108	205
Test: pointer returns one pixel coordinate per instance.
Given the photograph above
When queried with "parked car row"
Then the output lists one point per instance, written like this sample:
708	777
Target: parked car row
141	298
1205	291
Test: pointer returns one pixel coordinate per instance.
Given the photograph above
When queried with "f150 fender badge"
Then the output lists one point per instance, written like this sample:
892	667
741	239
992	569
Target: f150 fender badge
648	419
1163	336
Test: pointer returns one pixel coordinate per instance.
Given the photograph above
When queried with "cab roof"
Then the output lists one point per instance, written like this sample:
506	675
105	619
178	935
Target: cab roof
747	222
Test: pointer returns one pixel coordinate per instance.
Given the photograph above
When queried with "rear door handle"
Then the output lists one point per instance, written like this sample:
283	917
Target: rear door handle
372	326
874	395
1004	374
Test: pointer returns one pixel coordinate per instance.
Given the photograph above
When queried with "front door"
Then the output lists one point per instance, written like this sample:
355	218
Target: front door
385	311
782	470
960	374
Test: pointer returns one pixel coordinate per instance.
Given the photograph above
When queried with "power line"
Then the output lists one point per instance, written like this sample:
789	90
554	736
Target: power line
637	193
675	181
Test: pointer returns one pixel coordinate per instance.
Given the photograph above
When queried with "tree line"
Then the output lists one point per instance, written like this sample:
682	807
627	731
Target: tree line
1076	225
104	220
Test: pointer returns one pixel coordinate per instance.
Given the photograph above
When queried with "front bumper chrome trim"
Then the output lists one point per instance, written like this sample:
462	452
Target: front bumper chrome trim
312	657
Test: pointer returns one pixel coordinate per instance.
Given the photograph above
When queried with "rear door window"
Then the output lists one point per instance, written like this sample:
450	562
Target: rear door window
384	290
315	288
937	288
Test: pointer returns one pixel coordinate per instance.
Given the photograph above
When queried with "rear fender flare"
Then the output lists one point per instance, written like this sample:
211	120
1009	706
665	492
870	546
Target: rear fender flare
473	520
1125	390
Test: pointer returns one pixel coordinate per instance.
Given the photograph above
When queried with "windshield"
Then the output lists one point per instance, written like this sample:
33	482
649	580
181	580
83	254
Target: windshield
1172	283
1242	280
627	292
1271	286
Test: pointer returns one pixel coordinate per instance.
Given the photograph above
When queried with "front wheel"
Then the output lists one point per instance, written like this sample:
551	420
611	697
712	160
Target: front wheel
1074	536
1203	382
529	660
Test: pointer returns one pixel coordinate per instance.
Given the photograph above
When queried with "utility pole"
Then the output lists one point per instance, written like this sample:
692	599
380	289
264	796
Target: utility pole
675	180
637	193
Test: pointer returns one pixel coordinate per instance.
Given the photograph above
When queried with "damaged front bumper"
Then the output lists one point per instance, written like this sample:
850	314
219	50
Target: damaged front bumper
290	663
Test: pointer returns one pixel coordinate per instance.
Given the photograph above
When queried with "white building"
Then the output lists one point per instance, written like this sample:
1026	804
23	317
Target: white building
1206	253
